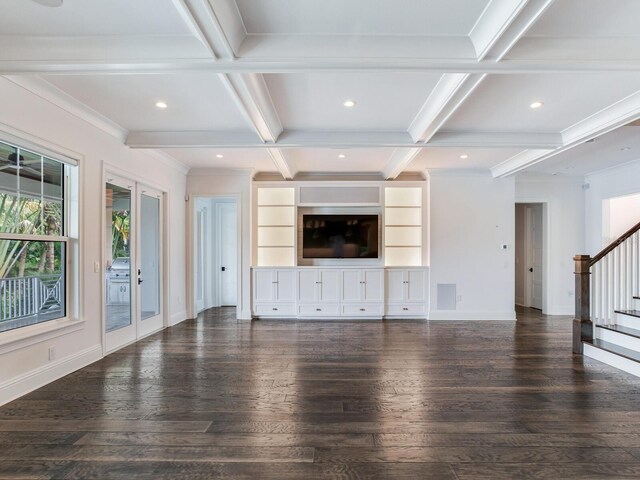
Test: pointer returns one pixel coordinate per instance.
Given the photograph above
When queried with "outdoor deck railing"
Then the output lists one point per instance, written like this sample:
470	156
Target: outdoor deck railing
25	296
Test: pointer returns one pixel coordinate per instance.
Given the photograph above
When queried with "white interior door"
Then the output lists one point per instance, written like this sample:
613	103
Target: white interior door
149	260
228	236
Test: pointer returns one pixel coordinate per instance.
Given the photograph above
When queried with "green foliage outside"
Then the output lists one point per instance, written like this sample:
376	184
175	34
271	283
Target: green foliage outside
120	225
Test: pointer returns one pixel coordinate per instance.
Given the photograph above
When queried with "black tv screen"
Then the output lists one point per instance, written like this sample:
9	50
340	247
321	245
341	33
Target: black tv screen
340	236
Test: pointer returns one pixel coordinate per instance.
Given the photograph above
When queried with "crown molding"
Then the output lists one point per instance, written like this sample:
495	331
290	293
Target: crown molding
45	90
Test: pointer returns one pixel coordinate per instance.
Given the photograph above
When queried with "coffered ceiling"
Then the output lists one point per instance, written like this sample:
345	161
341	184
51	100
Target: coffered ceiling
262	84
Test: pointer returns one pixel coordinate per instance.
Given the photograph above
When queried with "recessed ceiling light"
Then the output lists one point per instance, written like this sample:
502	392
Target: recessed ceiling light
161	105
342	155
624	149
464	155
50	3
349	103
219	155
535	105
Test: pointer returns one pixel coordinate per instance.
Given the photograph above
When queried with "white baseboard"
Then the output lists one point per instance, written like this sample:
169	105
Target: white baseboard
612	359
177	318
565	311
30	381
509	315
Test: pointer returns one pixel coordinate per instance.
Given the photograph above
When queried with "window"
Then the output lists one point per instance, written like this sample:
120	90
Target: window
33	238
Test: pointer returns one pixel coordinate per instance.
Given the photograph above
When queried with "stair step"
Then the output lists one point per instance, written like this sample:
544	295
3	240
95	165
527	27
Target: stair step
617	350
631	313
632	332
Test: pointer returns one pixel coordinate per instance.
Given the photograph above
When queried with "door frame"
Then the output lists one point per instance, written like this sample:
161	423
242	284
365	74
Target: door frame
546	283
191	258
109	169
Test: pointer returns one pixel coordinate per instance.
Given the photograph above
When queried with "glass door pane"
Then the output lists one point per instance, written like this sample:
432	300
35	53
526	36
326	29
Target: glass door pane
149	272
118	273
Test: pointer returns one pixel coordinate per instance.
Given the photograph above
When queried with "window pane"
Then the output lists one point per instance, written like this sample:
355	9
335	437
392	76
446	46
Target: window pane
32	282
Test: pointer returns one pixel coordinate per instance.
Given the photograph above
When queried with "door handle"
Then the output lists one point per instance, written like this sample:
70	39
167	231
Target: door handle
223	269
139	279
531	269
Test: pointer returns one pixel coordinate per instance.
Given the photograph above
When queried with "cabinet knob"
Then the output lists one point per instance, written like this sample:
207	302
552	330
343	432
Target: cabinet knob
318	309
405	308
362	309
274	308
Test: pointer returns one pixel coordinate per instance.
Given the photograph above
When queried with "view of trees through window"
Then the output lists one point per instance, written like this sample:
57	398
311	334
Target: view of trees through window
32	242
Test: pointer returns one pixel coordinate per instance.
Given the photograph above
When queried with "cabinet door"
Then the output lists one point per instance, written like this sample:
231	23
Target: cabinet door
395	285
263	286
416	286
286	286
329	285
351	285
373	285
307	286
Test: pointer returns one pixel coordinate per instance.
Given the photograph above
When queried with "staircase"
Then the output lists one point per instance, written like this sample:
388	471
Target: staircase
607	322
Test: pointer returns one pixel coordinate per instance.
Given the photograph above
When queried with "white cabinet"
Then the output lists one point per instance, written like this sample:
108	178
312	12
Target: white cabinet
406	292
366	285
318	292
274	292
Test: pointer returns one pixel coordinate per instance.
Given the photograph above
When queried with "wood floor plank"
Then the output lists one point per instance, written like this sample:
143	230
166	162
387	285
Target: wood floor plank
284	399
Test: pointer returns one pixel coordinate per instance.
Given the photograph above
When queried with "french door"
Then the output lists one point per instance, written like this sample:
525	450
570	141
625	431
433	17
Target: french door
133	261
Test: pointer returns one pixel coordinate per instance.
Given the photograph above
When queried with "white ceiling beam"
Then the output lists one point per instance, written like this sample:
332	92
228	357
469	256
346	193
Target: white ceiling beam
400	160
492	24
175	64
450	92
201	18
322	139
619	114
285	166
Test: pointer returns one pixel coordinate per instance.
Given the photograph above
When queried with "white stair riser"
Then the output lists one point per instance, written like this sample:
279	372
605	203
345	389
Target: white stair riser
627	320
619	339
612	359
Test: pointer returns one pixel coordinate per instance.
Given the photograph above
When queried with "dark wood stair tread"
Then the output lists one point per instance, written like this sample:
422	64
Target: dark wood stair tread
617	350
632	313
632	332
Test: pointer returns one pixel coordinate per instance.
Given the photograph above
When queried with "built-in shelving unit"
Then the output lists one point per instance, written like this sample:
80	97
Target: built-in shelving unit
276	227
403	226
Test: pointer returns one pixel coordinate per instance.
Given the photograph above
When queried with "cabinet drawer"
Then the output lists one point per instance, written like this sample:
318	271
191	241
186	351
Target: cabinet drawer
407	309
319	310
363	309
274	310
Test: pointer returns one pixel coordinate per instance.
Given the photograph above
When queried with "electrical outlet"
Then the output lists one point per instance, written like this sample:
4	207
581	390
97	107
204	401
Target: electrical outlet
52	353
96	267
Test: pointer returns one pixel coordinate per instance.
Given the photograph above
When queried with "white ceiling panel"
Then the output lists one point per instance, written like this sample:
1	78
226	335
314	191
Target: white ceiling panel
242	158
586	18
449	158
195	101
620	146
328	160
361	17
91	17
314	101
501	102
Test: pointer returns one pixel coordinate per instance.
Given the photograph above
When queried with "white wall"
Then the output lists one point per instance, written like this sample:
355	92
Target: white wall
619	214
563	210
471	216
211	182
25	364
614	182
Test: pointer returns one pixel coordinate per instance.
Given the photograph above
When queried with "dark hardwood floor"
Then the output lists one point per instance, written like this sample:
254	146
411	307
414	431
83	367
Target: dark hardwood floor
220	398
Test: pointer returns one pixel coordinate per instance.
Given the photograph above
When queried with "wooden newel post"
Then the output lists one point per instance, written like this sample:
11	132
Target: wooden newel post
582	326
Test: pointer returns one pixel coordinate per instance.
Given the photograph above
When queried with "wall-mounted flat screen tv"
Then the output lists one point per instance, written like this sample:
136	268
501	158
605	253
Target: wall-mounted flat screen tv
340	236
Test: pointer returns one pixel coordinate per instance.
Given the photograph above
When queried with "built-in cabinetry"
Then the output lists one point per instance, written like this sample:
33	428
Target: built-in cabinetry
274	292
406	292
340	292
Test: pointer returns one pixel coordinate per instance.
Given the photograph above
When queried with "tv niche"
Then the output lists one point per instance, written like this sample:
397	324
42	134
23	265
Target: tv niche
340	236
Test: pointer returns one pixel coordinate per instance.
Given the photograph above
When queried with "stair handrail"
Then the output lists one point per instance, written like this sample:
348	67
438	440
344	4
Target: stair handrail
582	323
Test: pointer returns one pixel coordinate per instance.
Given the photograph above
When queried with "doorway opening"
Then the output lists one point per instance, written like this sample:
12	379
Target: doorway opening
530	255
215	252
